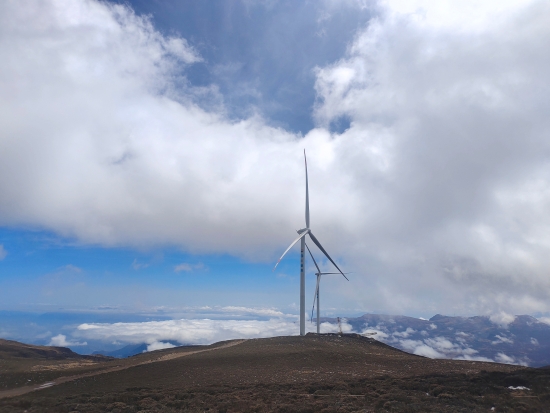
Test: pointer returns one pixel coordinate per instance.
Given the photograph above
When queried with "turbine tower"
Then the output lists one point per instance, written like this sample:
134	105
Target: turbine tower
316	296
303	232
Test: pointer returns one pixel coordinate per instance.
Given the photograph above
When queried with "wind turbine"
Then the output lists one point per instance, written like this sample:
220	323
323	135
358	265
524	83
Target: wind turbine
303	232
316	296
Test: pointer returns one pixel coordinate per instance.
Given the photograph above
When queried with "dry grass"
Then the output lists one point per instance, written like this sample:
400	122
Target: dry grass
296	374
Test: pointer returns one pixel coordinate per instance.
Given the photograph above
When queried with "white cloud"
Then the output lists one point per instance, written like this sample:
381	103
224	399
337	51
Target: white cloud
225	312
61	341
159	345
465	16
426	351
502	319
3	252
138	265
429	100
501	340
375	333
503	358
434	347
438	189
405	333
188	267
203	331
183	267
198	331
271	312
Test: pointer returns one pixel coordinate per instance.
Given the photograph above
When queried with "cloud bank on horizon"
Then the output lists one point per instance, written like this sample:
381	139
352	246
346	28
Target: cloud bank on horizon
427	338
436	194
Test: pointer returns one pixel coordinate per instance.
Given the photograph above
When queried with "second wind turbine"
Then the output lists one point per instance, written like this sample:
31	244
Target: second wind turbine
302	234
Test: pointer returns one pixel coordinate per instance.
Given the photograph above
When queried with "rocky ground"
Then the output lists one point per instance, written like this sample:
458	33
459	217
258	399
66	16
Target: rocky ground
294	374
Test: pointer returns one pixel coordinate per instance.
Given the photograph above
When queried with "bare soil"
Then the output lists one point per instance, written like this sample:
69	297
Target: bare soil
326	373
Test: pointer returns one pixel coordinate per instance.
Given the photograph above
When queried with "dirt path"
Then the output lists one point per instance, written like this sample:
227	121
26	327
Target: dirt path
27	389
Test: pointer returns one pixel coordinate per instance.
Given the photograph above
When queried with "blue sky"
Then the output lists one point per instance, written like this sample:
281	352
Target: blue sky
261	55
45	270
151	158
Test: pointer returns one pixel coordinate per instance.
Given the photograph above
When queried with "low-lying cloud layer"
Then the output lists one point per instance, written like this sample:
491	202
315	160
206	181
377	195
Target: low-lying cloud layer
459	338
474	338
203	331
60	340
436	195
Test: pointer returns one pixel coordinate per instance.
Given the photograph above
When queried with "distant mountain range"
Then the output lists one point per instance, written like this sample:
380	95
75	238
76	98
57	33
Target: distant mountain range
522	340
126	351
519	340
15	350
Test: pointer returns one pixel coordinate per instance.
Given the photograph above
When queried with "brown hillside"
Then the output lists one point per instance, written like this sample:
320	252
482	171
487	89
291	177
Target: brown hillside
14	350
312	373
23	364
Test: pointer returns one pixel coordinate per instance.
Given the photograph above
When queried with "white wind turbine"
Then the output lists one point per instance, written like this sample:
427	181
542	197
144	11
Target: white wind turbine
303	232
316	296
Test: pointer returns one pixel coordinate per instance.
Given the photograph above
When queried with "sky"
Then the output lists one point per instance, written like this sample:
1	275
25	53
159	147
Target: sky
151	158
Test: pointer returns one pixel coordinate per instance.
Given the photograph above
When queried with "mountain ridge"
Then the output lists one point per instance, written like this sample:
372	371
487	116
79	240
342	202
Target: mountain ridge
522	340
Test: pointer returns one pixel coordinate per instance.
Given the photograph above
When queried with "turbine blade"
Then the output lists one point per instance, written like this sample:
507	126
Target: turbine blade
307	193
303	234
315	262
326	253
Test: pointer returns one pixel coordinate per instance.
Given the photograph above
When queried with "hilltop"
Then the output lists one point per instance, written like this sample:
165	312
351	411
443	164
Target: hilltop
27	364
311	373
11	350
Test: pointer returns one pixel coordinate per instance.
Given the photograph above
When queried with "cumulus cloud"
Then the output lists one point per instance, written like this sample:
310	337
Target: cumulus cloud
117	148
437	190
61	341
3	252
468	16
440	111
